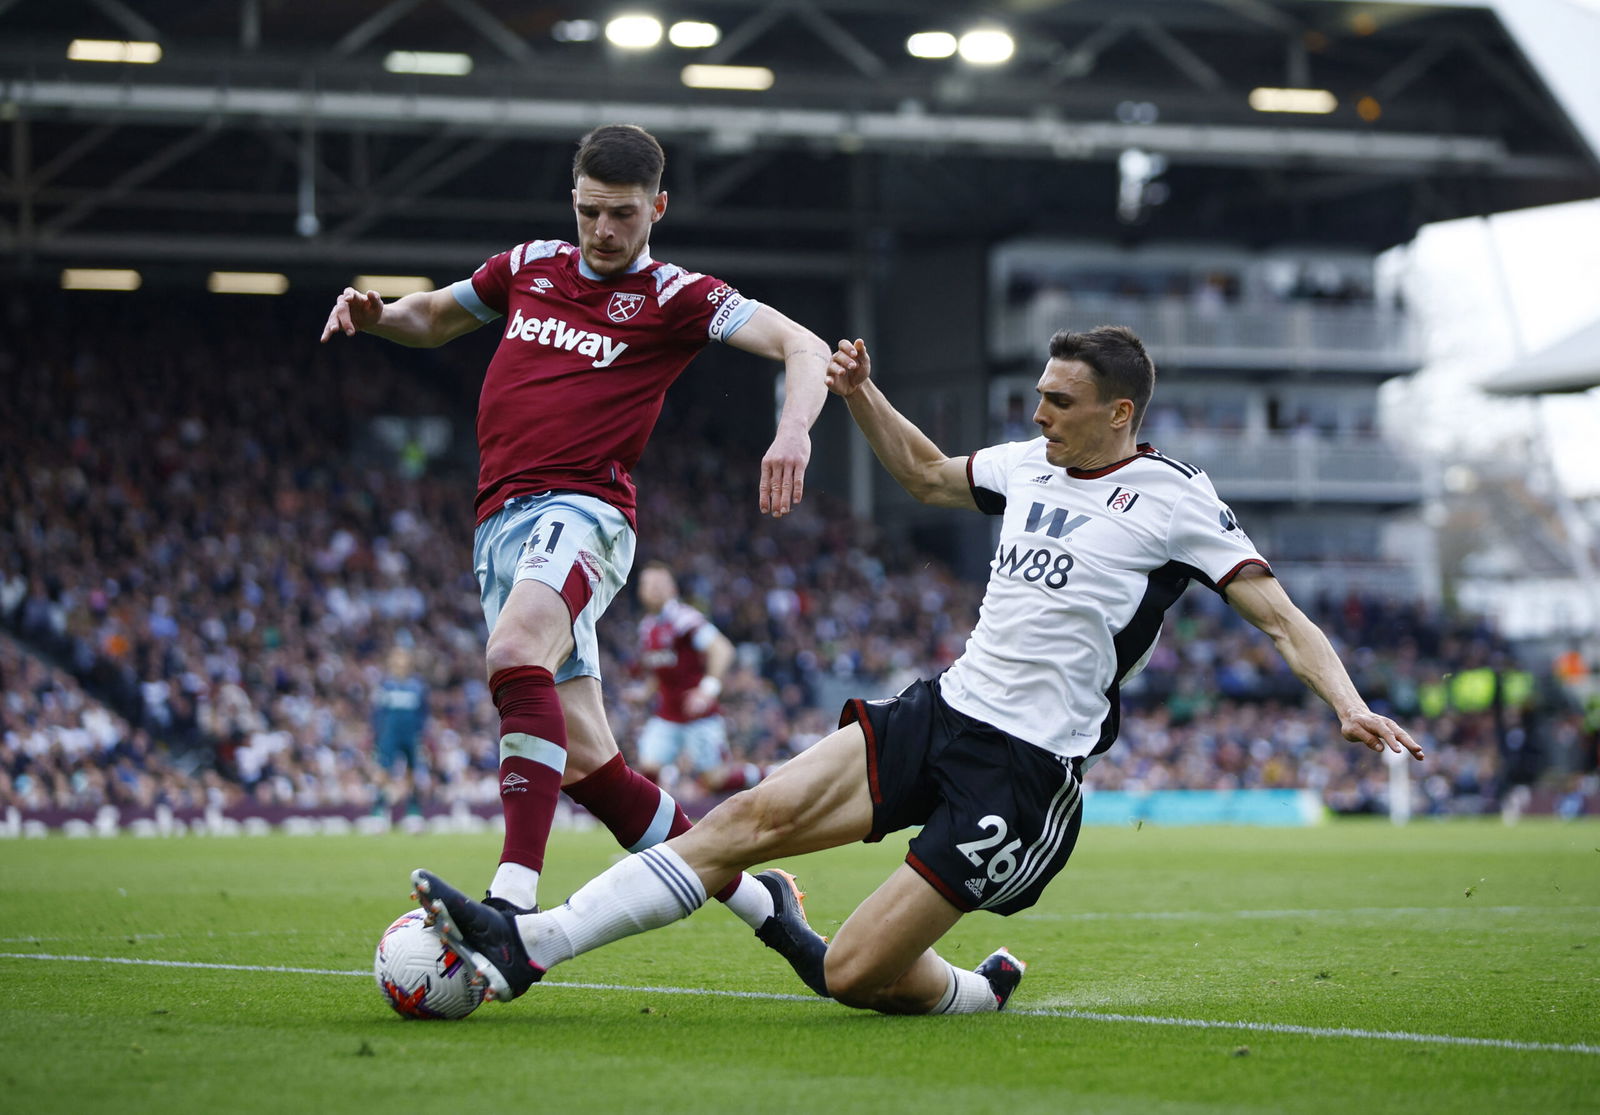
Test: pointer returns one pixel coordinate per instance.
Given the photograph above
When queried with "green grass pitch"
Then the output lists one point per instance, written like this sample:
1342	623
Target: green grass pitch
1335	969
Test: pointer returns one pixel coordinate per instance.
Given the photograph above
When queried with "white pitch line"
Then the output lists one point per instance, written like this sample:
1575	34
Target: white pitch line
131	938
182	964
1318	1031
1083	1016
275	968
1356	911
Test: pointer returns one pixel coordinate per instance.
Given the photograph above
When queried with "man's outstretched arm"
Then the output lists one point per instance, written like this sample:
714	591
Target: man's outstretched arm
805	360
909	454
422	320
1258	597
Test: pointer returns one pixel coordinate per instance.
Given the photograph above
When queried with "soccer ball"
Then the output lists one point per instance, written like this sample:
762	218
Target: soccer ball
420	975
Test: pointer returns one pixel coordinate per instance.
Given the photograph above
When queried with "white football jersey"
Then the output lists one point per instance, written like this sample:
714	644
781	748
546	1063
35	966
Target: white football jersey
1086	564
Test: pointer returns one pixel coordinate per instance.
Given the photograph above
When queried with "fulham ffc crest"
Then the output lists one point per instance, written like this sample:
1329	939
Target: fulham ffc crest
1122	499
623	306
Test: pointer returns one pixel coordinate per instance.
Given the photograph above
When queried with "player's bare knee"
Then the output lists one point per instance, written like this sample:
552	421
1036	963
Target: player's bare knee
504	654
510	649
850	976
852	981
849	990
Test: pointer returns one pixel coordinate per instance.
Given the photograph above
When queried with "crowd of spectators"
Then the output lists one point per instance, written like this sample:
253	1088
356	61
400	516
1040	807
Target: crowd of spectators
204	559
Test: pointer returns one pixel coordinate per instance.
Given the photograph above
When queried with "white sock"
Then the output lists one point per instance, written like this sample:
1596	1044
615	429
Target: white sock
751	901
517	884
966	993
644	891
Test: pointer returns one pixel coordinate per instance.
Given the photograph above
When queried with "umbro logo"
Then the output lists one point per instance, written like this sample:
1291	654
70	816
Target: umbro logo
1045	479
541	284
513	783
976	887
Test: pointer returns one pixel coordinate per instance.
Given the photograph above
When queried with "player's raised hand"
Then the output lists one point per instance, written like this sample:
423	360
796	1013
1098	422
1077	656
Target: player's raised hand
1378	732
783	471
353	312
849	368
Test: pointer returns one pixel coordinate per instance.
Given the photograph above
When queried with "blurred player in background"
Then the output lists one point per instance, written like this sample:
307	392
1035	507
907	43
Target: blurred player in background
1099	535
399	715
686	659
593	334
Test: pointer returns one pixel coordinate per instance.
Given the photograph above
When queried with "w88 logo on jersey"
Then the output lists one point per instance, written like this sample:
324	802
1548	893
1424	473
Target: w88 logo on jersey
1035	565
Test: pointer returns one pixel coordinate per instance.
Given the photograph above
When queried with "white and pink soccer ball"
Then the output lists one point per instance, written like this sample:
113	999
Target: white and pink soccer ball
420	975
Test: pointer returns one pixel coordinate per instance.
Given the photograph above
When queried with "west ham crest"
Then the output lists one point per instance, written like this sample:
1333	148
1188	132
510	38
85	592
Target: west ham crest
623	306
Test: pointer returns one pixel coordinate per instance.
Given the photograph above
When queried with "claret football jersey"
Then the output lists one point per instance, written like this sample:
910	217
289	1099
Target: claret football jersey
1087	563
577	383
672	646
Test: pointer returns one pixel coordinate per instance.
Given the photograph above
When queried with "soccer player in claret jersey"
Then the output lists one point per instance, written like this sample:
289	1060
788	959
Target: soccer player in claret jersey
593	333
685	658
1099	535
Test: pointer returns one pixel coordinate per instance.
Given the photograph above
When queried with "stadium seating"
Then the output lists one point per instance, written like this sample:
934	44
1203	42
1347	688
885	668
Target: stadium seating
205	558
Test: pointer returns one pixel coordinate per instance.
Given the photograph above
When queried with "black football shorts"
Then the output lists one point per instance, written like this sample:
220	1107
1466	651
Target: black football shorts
999	815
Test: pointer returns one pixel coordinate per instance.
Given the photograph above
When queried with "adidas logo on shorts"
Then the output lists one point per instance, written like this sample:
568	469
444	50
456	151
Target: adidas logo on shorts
976	887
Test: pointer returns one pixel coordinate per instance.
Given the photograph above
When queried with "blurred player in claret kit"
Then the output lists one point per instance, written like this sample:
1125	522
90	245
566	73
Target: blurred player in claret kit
593	334
685	659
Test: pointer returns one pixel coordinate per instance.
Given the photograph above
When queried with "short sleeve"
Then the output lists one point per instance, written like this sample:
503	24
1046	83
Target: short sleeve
466	296
703	636
734	310
491	283
987	470
1206	535
699	308
686	619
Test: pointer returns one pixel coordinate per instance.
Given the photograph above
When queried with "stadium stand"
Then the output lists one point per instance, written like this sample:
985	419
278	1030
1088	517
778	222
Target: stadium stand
206	556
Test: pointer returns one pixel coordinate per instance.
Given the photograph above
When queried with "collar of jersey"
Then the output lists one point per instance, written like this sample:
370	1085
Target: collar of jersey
1145	449
593	276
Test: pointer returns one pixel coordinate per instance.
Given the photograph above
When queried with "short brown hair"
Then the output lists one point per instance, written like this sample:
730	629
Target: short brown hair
620	155
1115	355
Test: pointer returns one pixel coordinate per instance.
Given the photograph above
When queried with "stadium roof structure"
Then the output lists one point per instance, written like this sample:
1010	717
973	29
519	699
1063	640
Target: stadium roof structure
1570	364
274	132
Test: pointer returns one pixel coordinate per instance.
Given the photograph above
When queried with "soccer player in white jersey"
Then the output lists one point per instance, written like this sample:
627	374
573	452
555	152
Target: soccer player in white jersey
1099	535
592	335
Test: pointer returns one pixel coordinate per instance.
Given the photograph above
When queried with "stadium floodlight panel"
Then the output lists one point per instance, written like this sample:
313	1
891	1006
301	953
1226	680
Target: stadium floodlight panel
113	50
987	46
634	32
692	35
393	286
1314	101
753	79
100	278
247	282
575	31
439	63
931	44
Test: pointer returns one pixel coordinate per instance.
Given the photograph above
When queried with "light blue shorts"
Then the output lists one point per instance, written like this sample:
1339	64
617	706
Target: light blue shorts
704	741
580	546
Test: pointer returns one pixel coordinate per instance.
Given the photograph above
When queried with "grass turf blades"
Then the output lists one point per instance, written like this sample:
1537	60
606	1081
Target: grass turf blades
1457	930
